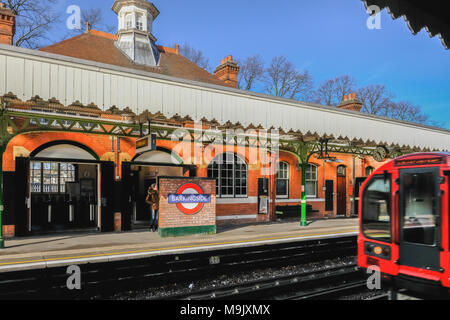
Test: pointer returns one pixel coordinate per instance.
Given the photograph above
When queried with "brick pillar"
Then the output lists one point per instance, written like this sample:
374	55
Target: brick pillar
117	222
202	172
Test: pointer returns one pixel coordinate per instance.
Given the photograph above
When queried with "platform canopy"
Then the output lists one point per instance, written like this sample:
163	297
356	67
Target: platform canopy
28	73
432	16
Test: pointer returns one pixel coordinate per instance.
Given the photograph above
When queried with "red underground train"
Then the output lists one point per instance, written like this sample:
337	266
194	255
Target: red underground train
404	223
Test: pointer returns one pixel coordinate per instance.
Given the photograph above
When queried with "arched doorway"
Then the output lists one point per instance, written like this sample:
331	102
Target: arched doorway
138	176
341	191
64	189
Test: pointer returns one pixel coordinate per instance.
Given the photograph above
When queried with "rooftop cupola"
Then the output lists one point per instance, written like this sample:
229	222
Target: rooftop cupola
135	31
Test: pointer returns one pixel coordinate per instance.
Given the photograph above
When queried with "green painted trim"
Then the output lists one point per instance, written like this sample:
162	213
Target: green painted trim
186	231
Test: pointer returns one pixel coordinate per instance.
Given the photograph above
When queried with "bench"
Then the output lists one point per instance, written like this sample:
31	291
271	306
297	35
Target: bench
293	211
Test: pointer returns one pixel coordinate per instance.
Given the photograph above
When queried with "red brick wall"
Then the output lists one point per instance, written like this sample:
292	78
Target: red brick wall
169	214
101	145
325	171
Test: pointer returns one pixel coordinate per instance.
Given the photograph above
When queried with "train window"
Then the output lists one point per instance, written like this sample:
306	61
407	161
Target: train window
376	210
419	220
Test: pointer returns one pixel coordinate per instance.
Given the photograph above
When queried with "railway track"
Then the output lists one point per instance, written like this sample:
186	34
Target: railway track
102	280
381	297
325	283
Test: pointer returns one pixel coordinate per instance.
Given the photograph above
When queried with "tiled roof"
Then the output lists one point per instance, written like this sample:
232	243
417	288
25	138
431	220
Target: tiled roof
99	46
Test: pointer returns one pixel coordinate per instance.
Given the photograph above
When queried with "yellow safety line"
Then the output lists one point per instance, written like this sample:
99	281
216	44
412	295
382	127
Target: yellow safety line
172	248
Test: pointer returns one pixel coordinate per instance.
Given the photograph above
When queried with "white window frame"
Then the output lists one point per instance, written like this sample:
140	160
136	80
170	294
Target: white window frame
316	181
287	178
140	21
128	21
219	161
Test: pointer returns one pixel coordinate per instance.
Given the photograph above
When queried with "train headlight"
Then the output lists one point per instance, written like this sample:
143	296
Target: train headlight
377	250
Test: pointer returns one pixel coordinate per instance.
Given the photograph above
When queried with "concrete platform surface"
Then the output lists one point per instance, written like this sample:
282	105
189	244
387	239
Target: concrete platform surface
65	249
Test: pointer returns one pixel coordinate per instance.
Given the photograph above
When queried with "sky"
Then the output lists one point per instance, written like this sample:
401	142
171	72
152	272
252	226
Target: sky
327	37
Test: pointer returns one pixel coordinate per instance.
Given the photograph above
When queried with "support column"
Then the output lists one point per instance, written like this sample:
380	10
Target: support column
4	139
304	221
273	187
303	151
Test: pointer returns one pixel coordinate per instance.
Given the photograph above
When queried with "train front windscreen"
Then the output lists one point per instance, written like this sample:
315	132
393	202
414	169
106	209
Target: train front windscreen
376	209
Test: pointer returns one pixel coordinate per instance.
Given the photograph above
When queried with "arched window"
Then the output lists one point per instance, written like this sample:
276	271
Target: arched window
283	180
369	171
230	171
341	171
311	180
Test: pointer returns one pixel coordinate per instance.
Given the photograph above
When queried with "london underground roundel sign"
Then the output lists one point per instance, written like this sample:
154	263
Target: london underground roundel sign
190	198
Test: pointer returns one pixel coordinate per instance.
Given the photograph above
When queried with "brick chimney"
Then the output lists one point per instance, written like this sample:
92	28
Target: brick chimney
228	71
351	102
7	25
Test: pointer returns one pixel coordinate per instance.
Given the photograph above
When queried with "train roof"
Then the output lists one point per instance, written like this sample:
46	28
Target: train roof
424	155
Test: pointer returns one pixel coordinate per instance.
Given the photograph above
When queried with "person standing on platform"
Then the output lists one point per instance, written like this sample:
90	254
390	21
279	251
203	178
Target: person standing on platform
153	200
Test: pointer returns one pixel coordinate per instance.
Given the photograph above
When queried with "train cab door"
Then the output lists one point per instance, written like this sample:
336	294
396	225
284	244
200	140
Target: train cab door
420	218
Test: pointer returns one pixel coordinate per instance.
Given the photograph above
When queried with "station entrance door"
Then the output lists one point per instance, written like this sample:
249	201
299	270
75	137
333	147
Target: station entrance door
59	188
63	196
137	177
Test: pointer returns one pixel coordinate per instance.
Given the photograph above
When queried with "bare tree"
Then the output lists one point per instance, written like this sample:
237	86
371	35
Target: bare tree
344	85
376	99
251	71
331	92
34	21
406	111
284	80
325	94
196	56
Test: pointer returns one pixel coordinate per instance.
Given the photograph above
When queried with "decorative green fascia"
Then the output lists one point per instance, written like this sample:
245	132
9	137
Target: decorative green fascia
37	122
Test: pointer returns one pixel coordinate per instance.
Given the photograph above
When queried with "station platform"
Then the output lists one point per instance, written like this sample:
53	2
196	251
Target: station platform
69	249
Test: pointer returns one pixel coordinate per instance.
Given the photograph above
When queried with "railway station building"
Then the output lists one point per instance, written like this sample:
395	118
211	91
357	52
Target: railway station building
89	123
